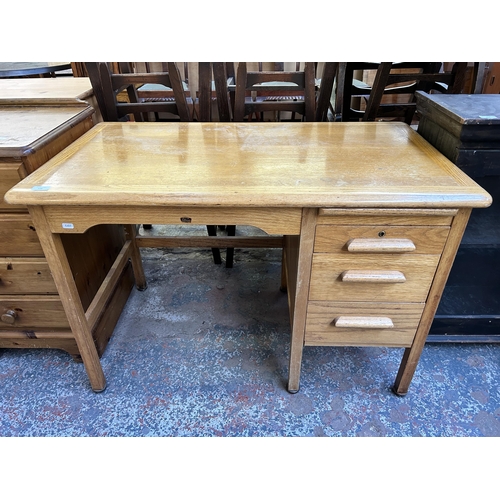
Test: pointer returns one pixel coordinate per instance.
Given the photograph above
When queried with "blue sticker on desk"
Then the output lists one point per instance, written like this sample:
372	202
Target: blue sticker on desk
68	225
40	188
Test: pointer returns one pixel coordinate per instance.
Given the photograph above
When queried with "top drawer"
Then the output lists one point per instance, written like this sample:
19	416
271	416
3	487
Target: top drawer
344	239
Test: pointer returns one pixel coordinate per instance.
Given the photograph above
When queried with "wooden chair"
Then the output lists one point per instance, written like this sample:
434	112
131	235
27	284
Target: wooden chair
111	85
430	79
274	94
114	85
276	91
392	79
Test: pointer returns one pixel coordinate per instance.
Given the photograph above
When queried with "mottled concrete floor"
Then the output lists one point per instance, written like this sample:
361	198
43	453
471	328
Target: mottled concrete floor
203	352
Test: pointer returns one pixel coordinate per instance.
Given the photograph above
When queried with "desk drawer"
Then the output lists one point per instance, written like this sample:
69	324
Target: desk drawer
18	236
388	278
362	323
30	311
25	276
336	239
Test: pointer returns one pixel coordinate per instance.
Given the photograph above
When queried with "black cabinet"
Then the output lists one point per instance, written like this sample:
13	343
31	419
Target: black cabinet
466	129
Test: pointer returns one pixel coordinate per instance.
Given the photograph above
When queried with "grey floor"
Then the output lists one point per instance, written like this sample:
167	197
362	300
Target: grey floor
204	352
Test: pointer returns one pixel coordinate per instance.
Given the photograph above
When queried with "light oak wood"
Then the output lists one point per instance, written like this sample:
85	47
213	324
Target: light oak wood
327	271
276	177
236	165
385	245
412	354
68	293
361	276
98	305
301	291
321	328
386	212
273	221
354	217
334	238
135	257
376	322
210	242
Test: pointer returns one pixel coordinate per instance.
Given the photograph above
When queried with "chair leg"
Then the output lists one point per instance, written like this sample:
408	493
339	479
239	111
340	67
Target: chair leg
231	231
212	231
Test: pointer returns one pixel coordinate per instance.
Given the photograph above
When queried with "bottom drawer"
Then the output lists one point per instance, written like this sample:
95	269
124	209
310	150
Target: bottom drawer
362	323
30	311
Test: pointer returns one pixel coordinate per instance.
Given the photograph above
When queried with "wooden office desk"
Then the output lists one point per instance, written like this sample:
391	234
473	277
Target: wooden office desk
371	215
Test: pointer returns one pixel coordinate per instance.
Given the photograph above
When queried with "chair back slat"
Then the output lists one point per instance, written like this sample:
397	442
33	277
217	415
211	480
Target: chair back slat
110	86
267	85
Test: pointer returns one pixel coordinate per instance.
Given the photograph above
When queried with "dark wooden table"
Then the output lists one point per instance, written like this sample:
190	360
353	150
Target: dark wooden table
18	69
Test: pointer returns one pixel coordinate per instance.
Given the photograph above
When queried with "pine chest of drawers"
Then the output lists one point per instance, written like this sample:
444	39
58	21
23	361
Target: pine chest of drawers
31	312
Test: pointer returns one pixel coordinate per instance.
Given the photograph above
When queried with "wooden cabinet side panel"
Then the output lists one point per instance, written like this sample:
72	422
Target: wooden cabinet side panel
91	256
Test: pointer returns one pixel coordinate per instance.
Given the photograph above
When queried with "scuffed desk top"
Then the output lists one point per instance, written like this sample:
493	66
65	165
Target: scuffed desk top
250	165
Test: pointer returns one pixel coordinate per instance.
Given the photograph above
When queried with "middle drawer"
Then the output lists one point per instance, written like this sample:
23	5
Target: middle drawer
369	277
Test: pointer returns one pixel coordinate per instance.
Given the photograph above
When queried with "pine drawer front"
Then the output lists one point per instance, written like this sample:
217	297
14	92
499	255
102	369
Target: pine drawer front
18	236
31	311
25	275
388	278
337	239
362	323
10	175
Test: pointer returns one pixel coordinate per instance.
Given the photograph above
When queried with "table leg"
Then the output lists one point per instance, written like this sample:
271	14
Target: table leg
68	293
140	278
412	354
299	291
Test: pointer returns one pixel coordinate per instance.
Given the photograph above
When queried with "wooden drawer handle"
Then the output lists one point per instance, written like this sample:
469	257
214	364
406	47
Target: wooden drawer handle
393	245
359	276
363	322
9	317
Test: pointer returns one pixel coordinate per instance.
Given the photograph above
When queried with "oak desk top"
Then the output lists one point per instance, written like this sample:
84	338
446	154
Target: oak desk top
250	165
39	90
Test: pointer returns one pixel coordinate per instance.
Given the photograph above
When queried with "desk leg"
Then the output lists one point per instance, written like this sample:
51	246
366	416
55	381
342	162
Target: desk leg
298	290
140	278
412	354
68	293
